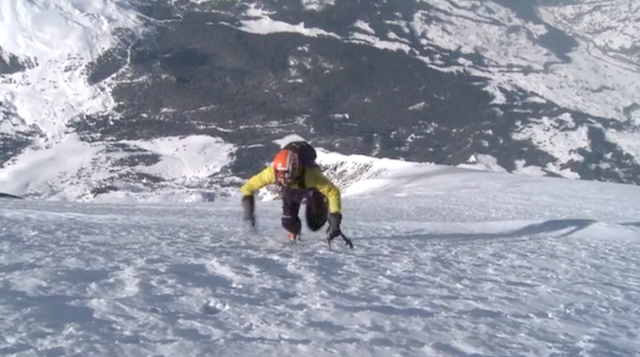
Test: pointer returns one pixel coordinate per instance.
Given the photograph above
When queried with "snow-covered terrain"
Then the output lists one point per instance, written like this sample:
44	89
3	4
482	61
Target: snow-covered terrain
72	169
56	39
599	76
611	28
447	262
56	43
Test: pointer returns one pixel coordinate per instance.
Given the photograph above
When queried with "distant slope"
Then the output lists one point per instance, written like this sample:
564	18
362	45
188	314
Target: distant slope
166	100
50	44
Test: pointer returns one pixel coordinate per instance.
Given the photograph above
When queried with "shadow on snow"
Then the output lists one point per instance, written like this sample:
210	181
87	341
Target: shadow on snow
558	227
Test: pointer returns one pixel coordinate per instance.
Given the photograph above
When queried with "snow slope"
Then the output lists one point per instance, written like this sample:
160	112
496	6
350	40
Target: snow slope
71	169
592	82
598	77
447	262
57	39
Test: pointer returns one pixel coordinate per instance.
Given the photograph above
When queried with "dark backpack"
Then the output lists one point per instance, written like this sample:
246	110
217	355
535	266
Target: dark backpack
305	151
307	155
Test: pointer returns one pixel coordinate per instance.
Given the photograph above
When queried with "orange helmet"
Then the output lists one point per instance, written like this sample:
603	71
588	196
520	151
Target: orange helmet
286	166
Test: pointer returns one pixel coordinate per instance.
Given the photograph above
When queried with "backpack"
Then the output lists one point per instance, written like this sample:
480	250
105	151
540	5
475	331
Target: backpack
305	151
307	155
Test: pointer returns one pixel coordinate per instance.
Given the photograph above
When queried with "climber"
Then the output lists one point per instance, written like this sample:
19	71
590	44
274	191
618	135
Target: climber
299	178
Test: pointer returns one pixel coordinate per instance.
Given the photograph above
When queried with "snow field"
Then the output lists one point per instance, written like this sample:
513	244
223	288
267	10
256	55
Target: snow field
434	272
68	170
58	39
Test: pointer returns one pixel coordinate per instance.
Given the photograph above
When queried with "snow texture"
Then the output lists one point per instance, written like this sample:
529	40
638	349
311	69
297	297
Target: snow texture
57	39
447	262
50	172
186	158
343	170
69	169
317	5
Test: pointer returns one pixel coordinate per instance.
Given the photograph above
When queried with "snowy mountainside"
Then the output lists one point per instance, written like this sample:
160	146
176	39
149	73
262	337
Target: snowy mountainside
178	169
499	85
513	49
447	262
173	168
46	52
344	171
578	105
611	28
45	48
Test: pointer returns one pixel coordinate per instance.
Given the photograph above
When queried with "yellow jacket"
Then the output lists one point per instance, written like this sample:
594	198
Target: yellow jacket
313	178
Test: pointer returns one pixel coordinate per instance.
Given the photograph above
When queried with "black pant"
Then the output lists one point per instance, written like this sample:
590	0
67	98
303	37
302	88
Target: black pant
316	209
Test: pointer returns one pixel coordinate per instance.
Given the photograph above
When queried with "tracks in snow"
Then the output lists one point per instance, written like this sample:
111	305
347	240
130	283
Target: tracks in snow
128	282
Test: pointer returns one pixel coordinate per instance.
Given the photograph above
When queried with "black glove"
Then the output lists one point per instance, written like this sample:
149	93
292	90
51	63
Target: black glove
334	225
248	205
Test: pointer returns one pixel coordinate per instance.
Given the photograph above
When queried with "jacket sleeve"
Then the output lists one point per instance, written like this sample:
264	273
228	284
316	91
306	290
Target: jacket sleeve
315	178
258	181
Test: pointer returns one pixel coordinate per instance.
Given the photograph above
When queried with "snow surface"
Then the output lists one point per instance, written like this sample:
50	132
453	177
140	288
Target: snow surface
483	162
316	5
186	158
50	172
58	38
488	28
69	169
613	29
447	262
